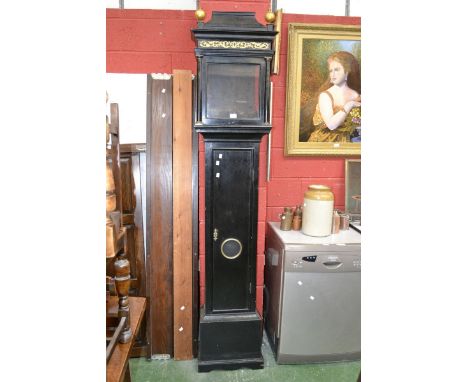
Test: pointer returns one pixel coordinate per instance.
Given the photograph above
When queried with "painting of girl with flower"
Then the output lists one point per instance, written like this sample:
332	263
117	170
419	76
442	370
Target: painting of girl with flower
324	90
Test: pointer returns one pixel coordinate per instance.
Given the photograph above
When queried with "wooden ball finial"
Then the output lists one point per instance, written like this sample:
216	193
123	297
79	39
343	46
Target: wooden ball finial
200	14
270	16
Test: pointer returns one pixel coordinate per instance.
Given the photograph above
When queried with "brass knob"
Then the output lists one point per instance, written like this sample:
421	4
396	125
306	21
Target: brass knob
270	16
200	14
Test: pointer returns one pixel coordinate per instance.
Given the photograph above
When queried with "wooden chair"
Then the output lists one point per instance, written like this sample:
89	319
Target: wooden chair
116	244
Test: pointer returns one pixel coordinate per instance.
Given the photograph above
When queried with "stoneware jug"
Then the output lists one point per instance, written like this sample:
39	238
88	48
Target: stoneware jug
317	212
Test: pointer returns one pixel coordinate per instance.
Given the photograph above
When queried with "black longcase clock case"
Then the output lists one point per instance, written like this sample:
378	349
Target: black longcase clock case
232	113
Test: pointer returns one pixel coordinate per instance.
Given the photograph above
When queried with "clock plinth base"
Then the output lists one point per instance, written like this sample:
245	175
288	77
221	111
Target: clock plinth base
230	341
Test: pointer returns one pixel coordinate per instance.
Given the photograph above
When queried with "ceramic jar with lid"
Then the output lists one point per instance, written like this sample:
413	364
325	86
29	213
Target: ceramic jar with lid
317	212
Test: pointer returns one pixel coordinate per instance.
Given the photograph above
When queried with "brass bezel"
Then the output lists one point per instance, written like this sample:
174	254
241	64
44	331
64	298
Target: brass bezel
231	257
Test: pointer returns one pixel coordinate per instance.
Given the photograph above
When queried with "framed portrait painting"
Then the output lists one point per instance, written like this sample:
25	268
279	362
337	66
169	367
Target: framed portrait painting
323	101
353	187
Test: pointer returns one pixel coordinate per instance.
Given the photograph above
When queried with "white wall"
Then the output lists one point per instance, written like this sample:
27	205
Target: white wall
355	8
153	4
129	90
320	7
315	7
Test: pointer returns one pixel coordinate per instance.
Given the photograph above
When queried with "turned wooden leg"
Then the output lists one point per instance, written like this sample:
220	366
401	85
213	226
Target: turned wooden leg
122	285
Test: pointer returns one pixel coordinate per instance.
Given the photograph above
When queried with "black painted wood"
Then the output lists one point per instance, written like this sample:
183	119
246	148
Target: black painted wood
232	112
231	209
230	341
238	89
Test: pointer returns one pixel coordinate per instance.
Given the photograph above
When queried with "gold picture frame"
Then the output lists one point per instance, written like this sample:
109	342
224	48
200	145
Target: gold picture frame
353	186
309	45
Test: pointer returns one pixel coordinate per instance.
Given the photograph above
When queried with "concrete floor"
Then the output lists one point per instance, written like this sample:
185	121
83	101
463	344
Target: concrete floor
143	370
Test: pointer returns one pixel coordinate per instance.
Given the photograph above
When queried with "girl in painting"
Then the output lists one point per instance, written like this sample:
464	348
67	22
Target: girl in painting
332	119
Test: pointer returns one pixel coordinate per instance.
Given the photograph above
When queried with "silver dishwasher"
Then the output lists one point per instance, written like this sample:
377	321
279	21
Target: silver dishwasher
313	296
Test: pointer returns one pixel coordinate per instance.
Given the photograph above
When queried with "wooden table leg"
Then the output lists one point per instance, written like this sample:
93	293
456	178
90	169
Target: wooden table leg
122	284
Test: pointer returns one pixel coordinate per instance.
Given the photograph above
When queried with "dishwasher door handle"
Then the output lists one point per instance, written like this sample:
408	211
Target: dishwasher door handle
332	264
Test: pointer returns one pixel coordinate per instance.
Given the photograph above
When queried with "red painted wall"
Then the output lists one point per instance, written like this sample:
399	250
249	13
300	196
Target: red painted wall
155	41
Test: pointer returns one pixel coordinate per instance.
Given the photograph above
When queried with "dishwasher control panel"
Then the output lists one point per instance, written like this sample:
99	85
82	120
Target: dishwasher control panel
357	263
300	262
323	262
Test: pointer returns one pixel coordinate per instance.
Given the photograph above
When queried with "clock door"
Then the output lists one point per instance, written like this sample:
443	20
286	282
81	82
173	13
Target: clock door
233	197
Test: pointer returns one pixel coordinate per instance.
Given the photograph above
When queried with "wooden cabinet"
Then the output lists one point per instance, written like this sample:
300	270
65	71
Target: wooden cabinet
132	167
117	265
232	112
125	249
132	172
